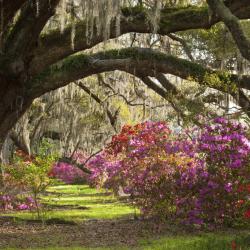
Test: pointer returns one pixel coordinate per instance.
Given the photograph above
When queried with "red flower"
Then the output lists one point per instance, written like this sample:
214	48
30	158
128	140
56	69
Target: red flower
241	188
233	245
122	138
248	188
247	214
131	132
51	174
240	202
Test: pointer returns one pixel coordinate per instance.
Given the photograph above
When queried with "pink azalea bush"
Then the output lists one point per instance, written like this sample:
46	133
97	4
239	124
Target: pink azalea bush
68	173
174	176
15	202
225	148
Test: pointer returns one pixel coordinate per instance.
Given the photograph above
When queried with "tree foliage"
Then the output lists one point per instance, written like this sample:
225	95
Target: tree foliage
45	45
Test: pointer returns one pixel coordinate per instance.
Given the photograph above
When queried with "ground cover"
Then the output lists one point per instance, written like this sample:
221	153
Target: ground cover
100	221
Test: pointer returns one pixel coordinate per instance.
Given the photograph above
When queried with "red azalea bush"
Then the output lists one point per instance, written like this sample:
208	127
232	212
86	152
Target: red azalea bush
196	179
157	172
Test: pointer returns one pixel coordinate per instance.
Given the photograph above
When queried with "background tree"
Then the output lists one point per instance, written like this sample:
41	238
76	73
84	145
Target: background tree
40	40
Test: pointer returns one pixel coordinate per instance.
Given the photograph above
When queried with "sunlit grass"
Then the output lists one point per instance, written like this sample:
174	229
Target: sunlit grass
112	211
86	202
205	241
75	189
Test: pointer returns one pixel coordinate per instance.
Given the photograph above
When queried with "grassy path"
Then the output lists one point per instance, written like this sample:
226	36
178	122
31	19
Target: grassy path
102	222
79	202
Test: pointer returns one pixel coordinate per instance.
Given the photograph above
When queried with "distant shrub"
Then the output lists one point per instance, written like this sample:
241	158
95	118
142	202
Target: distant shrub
68	173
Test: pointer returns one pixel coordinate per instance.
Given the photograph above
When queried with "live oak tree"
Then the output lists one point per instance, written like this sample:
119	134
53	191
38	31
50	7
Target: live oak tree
83	115
39	41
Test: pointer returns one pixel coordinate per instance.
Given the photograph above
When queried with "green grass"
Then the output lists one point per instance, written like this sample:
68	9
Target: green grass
205	241
98	204
92	203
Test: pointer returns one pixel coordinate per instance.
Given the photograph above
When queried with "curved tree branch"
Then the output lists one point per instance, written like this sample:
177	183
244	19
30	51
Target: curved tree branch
8	9
233	24
132	20
137	61
184	44
112	117
141	63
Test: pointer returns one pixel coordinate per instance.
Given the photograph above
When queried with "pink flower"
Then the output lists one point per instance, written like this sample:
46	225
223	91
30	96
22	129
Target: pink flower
23	207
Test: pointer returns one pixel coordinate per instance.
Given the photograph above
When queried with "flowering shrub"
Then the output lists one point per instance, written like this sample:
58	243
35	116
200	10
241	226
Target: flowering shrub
225	149
133	145
25	180
149	166
16	202
196	179
67	173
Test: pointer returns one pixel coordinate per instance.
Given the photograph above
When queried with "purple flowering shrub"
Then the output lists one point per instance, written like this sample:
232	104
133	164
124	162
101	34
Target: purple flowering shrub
174	176
15	202
67	173
15	195
151	167
225	149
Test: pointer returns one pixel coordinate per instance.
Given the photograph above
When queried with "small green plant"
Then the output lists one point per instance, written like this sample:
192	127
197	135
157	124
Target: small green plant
31	174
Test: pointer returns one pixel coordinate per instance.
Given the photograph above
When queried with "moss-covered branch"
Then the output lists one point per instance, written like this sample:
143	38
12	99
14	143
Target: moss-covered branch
55	46
137	61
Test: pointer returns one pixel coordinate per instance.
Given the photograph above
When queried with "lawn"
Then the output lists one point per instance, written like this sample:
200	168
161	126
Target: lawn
103	222
80	202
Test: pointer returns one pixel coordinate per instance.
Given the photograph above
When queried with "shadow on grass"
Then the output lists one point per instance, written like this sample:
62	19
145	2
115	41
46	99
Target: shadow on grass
80	195
85	218
118	234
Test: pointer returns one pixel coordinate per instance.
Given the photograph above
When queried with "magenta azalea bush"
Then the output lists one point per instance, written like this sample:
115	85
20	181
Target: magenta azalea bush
68	173
225	149
15	202
198	179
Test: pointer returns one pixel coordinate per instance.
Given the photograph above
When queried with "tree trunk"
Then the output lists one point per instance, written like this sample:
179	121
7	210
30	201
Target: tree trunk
13	104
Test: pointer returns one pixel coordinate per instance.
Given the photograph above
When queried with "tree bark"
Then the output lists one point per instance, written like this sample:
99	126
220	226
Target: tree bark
27	56
233	24
133	20
13	104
